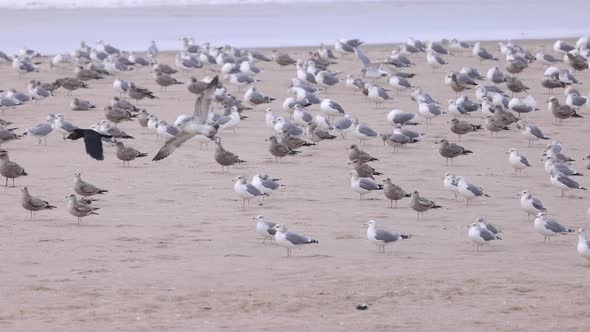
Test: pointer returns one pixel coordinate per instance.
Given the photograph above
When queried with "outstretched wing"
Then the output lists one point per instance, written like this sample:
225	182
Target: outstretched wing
203	103
364	59
200	115
93	143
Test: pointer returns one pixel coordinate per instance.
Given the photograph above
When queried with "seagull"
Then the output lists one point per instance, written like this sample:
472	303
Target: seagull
531	132
382	237
549	227
343	125
362	185
421	204
246	191
400	117
563	182
495	75
265	183
195	127
451	150
482	53
126	154
364	170
551	164
223	157
363	132
531	204
331	108
450	184
377	94
468	190
517	161
561	112
360	155
265	228
10	169
290	240
393	192
525	105
480	236
370	69
32	203
434	60
429	111
255	98
561	47
42	130
84	188
79	209
462	127
583	244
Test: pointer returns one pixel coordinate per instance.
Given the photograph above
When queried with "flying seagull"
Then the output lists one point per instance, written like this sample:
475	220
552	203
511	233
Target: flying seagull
196	126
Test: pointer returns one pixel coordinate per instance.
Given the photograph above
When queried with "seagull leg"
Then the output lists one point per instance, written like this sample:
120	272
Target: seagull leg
6	185
12	182
31	218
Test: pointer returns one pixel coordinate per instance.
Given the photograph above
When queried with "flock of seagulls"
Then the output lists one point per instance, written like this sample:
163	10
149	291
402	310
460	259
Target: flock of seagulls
500	96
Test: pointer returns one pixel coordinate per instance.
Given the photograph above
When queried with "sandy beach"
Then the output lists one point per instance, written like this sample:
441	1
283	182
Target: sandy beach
173	249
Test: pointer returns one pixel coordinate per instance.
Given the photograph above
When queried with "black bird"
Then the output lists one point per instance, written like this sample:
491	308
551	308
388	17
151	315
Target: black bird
92	141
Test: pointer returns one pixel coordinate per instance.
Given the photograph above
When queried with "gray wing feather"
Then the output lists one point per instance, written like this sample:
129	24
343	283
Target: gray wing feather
568	182
487	235
554	226
253	190
537	204
297	239
536	131
365	130
385	236
475	190
367	184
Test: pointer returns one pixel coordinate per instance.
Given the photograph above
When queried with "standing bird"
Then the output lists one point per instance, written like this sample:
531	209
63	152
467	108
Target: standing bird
561	112
224	157
246	191
265	228
364	170
382	237
290	240
360	155
531	132
450	184
517	161
549	227
583	244
279	150
84	188
563	182
92	141
127	154
451	150
32	203
482	53
197	126
469	191
530	204
462	127
10	169
362	186
480	236
515	85
421	204
393	192
79	209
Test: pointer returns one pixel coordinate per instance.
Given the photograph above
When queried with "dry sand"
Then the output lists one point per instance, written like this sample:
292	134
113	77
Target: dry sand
172	249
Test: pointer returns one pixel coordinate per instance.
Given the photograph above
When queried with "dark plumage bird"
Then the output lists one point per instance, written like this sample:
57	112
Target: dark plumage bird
92	141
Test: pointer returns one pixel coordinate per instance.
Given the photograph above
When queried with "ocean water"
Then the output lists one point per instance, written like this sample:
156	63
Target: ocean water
54	26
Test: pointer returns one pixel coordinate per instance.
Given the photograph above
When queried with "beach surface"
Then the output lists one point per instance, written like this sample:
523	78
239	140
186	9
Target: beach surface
173	249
